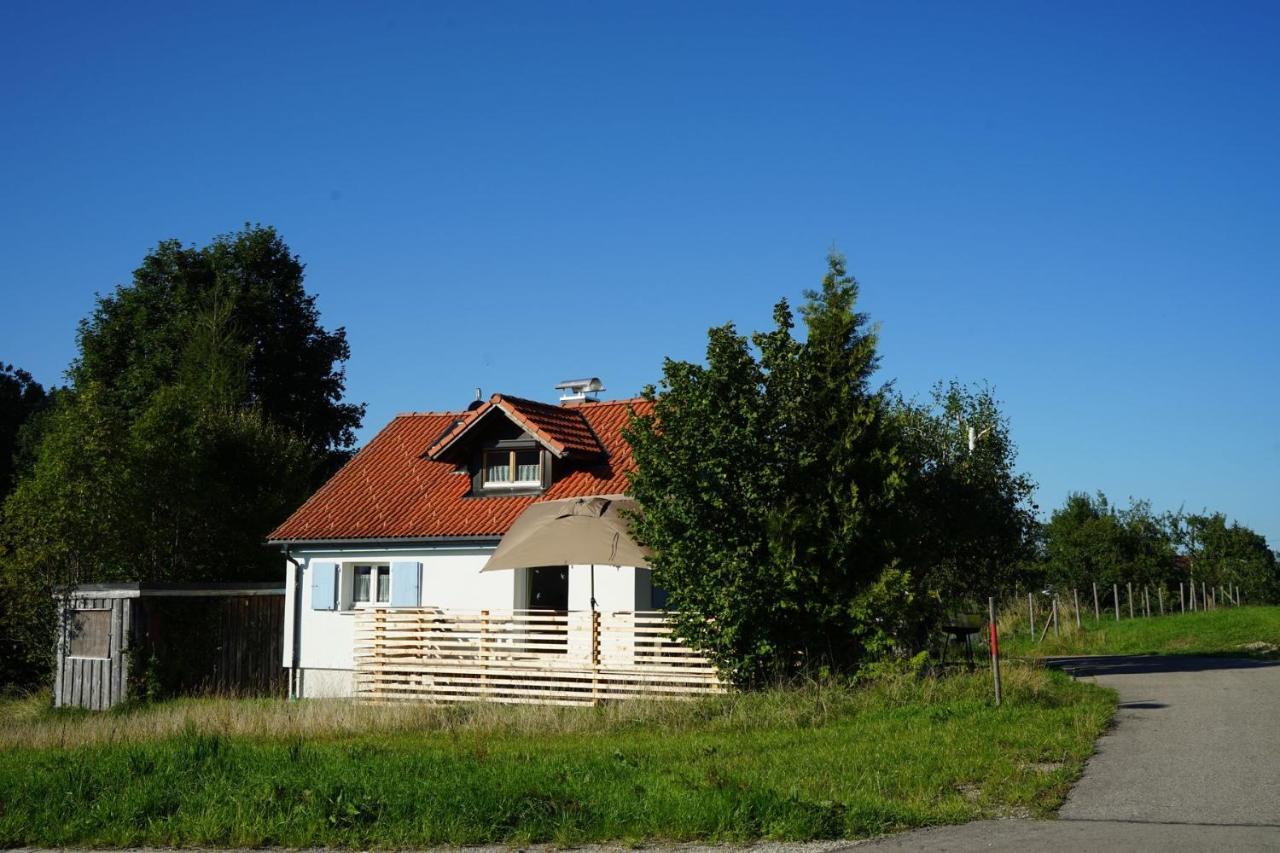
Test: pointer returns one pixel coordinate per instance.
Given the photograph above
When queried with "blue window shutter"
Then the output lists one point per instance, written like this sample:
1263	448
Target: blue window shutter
324	585
406	581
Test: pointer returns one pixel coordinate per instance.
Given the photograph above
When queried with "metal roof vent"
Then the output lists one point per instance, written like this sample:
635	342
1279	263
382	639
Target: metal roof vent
580	390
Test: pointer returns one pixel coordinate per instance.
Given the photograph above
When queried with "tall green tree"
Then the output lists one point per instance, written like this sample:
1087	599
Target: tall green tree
1088	540
21	398
1228	555
766	478
183	438
137	338
967	519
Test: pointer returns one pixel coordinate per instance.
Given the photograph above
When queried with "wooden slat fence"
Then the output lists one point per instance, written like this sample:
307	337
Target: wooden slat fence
524	656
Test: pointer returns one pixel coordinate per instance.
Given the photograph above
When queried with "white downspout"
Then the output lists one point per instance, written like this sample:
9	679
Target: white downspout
295	653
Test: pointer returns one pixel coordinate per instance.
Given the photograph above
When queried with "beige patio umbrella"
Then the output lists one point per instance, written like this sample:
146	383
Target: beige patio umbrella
576	531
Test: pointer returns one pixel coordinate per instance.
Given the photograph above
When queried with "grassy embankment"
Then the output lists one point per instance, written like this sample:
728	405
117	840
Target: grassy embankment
1243	631
820	762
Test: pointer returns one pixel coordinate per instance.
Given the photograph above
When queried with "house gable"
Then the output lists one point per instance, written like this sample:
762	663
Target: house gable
495	439
562	430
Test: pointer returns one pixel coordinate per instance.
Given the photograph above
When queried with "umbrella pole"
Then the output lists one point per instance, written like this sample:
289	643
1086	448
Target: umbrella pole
595	639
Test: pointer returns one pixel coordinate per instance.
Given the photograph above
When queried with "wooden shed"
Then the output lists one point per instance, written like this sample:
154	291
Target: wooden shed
132	640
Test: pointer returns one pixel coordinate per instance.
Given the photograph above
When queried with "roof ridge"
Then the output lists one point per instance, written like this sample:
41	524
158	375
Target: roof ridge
429	414
521	414
592	404
512	398
564	404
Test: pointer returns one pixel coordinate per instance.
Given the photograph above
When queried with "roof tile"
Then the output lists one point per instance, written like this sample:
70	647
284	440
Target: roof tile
392	490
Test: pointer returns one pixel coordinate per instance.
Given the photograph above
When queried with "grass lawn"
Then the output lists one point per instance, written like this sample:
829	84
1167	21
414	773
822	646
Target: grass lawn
1242	631
817	762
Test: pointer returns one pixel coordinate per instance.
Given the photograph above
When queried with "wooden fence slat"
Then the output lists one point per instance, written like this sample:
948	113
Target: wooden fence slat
572	658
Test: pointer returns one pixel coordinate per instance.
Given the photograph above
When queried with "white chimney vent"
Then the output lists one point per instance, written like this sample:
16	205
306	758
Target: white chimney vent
580	390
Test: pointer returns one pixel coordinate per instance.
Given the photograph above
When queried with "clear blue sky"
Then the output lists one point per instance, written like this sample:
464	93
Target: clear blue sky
1077	202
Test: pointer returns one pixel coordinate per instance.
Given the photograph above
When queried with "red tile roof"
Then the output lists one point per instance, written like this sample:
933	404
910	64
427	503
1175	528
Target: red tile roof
563	430
391	489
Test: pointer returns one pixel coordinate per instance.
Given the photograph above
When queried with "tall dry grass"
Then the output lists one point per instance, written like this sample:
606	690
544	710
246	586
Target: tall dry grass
30	722
1013	623
903	748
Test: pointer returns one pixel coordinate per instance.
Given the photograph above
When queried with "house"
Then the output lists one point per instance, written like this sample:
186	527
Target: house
411	519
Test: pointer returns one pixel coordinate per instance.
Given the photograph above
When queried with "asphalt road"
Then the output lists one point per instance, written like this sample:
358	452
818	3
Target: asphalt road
1193	763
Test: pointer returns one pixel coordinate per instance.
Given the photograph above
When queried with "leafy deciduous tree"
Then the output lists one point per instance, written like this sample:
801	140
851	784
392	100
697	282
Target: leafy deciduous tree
1088	540
21	397
1223	554
205	404
766	478
136	341
966	522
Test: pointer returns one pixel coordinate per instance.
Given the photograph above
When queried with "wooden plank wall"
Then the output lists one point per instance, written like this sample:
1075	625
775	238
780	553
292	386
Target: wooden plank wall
94	683
214	645
251	645
524	656
240	639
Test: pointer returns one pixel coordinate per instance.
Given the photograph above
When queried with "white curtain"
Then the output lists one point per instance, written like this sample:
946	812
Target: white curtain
527	467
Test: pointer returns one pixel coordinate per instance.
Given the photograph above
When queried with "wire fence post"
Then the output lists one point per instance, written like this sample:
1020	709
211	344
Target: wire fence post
1130	586
1204	597
1031	614
1146	600
1160	598
995	647
1182	598
1115	594
1097	614
1055	615
1076	596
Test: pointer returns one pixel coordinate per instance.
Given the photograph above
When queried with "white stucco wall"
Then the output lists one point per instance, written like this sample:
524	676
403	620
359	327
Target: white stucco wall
451	579
327	683
616	588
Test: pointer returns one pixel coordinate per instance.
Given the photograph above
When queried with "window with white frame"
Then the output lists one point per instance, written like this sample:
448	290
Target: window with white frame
370	584
512	469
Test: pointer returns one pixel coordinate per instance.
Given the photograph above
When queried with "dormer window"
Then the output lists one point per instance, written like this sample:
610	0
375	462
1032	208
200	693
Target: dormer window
512	469
510	446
